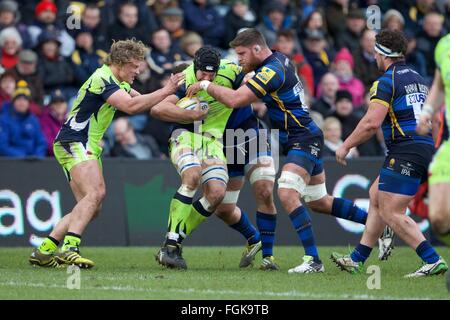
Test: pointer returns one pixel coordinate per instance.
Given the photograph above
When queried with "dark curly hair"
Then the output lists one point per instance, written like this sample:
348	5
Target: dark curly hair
394	40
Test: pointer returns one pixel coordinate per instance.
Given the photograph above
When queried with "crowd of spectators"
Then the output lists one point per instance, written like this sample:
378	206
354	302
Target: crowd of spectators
49	48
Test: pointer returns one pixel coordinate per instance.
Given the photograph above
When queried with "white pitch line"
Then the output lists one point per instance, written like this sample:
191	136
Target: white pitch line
287	294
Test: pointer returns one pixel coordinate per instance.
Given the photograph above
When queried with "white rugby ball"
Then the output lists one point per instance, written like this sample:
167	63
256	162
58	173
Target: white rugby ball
190	103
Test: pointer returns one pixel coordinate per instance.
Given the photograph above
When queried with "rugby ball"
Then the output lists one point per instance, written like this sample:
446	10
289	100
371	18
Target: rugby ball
190	103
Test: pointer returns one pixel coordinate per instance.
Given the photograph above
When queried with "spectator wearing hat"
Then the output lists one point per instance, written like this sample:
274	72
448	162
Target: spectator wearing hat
203	18
85	59
355	24
20	131
10	46
343	68
56	71
45	20
7	87
317	54
273	21
172	20
365	66
53	117
238	17
159	6
349	119
10	17
26	69
393	20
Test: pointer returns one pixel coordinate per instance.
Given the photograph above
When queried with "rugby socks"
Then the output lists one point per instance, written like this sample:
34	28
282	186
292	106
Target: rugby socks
180	208
361	253
200	210
246	228
266	225
71	240
426	252
49	245
345	209
302	223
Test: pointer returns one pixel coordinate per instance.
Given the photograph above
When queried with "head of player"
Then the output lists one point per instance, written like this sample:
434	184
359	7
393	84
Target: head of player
206	63
125	58
251	49
390	47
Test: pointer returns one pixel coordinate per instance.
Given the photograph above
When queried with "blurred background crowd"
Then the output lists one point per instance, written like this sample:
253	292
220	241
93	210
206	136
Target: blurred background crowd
48	49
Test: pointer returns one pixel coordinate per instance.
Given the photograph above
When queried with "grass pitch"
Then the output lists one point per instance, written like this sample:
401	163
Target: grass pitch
132	273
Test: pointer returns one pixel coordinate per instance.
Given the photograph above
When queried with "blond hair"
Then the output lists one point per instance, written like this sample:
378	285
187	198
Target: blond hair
123	51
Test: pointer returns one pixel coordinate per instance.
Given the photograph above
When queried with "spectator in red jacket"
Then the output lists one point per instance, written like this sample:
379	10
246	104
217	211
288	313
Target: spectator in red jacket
53	117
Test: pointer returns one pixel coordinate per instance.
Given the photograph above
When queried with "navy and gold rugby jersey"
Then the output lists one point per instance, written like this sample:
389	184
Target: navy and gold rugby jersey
403	91
276	83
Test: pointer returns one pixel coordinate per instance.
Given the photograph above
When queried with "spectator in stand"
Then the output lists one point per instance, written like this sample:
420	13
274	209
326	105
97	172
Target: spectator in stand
273	21
26	69
56	71
328	87
314	21
53	118
45	20
286	44
332	134
415	58
364	57
9	17
343	68
355	25
172	21
85	59
128	25
91	20
130	144
202	17
393	20
317	54
238	17
163	54
189	44
7	87
159	6
20	131
10	46
335	16
414	12
427	39
344	112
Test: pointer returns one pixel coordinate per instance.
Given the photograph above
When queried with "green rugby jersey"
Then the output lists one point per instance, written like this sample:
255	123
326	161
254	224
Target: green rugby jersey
229	75
442	58
91	115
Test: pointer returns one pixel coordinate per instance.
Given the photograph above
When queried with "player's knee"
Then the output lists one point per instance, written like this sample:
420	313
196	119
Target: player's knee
215	195
192	181
289	199
97	195
264	192
440	222
322	205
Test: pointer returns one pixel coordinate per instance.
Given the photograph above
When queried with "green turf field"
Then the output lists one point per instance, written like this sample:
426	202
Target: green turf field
132	273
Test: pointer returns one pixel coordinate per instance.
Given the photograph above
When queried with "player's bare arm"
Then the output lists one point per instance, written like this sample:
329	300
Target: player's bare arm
434	101
231	98
123	101
167	110
365	129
